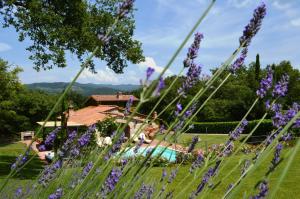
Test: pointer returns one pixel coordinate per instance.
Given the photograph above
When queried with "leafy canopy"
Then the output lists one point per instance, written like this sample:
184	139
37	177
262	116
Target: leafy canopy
56	26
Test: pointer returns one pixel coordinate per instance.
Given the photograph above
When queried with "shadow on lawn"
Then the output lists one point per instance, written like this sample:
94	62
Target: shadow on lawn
30	171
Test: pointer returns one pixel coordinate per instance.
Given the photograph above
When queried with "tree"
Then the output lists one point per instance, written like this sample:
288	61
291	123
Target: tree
257	68
56	26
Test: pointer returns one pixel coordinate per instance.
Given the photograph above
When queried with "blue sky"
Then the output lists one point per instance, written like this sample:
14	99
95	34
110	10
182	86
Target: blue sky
161	25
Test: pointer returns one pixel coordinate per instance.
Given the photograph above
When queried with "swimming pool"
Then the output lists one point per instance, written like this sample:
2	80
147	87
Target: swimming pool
168	154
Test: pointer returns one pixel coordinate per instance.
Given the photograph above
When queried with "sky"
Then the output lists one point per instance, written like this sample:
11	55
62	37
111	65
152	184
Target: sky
161	25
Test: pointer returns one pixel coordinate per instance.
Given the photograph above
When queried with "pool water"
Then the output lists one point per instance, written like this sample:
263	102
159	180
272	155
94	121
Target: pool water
168	154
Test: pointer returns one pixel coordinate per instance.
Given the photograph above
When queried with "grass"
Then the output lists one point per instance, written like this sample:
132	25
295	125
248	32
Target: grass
8	155
289	187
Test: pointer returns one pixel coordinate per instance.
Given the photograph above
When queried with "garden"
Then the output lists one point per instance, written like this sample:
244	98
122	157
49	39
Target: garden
185	136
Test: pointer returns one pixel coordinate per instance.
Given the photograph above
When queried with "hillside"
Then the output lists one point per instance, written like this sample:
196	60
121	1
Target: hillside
84	89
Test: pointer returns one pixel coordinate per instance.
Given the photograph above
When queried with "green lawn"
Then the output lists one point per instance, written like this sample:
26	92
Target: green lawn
8	155
289	187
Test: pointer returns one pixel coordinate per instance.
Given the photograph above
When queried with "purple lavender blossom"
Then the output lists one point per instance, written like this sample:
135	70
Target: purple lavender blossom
125	8
18	192
149	73
234	135
159	87
20	160
87	169
85	138
116	146
281	88
229	146
268	105
237	64
197	163
140	193
172	175
195	139
204	181
51	137
192	77
254	25
163	175
178	109
263	187
42	147
138	145
57	195
286	137
128	106
193	50
111	181
49	172
276	157
245	166
265	84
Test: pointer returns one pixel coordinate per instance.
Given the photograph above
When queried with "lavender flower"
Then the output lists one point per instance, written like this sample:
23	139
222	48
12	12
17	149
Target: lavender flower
193	50
178	109
237	64
111	181
253	27
265	84
87	169
63	152
49	173
140	193
20	160
116	146
58	194
51	137
197	163
234	135
85	138
125	8
193	144
163	175
18	192
192	77
204	181
286	137
138	145
128	106
229	146
263	186
159	87
149	73
245	166
276	157
172	175
281	88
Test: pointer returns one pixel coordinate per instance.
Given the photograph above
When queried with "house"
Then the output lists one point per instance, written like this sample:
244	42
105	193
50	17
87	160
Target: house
119	100
92	114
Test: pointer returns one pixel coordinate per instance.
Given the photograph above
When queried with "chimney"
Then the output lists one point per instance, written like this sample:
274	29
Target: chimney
119	95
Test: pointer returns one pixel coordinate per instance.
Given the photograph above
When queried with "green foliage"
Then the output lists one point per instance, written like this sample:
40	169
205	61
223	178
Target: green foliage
55	27
225	127
234	98
107	126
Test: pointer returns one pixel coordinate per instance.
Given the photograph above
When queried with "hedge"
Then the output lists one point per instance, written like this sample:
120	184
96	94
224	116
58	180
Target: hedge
225	127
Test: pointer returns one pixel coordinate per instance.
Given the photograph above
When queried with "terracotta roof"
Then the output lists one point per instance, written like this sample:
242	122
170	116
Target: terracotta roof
90	115
117	97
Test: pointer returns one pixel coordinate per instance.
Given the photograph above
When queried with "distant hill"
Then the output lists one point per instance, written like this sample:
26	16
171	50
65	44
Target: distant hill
84	89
